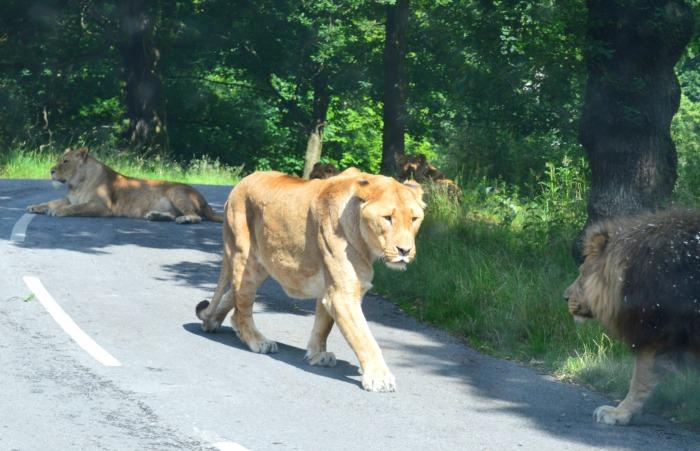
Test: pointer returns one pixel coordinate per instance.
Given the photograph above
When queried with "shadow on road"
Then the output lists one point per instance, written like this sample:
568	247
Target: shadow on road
288	354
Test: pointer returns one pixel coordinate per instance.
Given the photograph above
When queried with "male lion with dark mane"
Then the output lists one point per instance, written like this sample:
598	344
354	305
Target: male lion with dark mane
641	279
94	189
318	239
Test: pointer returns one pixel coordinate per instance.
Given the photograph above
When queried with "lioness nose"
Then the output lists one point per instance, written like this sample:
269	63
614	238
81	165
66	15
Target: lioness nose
403	251
53	171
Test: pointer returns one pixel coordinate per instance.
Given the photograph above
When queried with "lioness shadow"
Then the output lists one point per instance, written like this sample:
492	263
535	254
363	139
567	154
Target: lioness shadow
288	354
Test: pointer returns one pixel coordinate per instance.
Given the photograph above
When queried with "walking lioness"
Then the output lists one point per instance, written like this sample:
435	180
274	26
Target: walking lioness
96	190
318	239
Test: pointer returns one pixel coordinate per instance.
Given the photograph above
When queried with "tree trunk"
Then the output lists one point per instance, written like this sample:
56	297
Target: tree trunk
394	114
631	96
144	103
318	121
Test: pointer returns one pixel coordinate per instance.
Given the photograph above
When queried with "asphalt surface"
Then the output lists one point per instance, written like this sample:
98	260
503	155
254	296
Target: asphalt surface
132	286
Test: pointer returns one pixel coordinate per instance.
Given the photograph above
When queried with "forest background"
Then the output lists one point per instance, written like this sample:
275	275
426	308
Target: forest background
494	92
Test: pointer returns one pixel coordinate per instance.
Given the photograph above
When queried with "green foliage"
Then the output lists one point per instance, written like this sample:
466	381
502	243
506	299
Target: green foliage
685	130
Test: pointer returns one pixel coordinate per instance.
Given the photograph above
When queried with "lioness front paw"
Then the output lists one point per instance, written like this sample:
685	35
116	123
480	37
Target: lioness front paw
378	380
264	346
56	211
38	209
321	358
612	415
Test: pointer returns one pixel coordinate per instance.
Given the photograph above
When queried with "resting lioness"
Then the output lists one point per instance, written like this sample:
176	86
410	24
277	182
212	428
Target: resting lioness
318	239
96	190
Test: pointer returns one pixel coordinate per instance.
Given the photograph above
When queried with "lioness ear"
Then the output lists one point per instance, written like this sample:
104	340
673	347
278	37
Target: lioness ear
83	153
417	191
362	189
68	149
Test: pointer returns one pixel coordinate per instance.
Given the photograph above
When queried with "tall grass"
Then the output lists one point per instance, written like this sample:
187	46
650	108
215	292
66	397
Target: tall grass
34	164
492	269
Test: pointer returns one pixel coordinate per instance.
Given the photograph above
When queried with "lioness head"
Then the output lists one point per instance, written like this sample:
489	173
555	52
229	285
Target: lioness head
68	166
391	214
588	290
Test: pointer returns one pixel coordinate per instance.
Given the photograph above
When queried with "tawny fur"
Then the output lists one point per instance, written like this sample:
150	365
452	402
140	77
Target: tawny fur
318	239
94	189
641	279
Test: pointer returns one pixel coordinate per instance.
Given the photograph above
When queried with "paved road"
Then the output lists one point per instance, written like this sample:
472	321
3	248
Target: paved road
132	286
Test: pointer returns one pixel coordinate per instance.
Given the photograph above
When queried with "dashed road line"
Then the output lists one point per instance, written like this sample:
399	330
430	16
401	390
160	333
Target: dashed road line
67	324
229	446
19	230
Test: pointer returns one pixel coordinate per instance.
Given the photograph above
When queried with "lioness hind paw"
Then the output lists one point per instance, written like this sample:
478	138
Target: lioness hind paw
188	219
158	216
612	415
321	359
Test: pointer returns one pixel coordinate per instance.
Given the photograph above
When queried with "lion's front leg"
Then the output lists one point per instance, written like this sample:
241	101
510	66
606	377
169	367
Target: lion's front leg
347	312
43	208
316	353
92	208
644	379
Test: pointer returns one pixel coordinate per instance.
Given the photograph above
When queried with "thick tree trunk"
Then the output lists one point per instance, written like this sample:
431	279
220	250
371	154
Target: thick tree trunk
395	115
144	103
631	96
315	142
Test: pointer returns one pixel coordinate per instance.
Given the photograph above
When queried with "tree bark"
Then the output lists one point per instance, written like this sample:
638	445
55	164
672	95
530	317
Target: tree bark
394	114
631	96
144	103
318	121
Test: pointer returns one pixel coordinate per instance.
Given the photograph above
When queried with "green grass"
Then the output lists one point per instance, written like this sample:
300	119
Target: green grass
23	164
492	270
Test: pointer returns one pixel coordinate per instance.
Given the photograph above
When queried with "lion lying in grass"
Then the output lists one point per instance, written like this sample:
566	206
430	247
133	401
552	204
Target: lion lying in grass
318	239
96	190
641	279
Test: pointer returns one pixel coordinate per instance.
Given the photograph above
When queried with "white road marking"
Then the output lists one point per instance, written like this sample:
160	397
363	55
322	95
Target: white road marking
67	324
229	446
19	231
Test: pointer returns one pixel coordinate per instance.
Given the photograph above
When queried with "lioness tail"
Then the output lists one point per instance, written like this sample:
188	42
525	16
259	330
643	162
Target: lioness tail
208	213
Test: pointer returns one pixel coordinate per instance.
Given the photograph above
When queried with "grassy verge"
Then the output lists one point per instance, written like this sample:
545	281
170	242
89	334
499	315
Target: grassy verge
492	270
23	164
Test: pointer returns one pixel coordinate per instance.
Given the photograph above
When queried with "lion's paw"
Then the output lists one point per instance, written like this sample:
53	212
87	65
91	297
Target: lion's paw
55	212
378	380
264	346
158	216
612	415
38	209
321	358
188	219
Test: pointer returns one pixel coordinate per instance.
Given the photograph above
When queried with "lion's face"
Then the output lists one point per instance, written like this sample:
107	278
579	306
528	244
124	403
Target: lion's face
390	221
68	165
323	171
411	167
578	295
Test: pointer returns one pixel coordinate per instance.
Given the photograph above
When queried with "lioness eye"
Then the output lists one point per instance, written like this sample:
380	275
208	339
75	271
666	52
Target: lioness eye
388	218
65	161
414	219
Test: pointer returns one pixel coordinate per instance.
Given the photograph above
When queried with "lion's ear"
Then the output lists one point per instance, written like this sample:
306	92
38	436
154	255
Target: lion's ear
83	153
595	243
68	149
